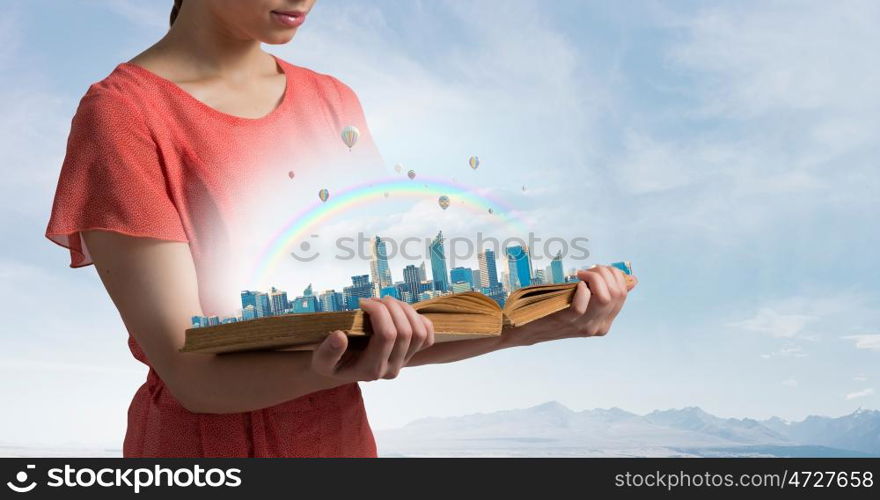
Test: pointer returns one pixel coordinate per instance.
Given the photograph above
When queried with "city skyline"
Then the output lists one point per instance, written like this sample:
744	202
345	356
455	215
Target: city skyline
413	287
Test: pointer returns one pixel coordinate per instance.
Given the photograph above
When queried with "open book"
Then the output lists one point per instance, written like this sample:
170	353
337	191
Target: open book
458	316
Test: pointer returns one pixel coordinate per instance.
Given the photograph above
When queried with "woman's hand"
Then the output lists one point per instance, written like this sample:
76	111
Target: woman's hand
398	333
597	300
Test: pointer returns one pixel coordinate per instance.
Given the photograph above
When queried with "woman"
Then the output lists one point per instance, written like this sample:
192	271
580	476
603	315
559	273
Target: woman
161	157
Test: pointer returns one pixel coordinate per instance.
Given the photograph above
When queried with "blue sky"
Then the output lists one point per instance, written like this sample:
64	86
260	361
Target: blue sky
729	150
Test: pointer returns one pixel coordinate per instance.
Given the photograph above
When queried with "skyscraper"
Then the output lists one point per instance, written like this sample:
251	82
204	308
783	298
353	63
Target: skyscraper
330	301
259	300
360	288
306	304
360	280
278	301
412	278
404	292
556	269
519	265
379	270
488	272
438	264
539	278
248	298
423	275
490	285
462	275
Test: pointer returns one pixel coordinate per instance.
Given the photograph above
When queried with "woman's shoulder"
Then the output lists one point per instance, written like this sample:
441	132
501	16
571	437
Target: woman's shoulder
123	90
324	83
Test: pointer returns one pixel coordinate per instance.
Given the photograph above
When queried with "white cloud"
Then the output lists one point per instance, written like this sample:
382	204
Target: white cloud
819	60
859	394
870	342
772	122
516	101
806	316
32	132
774	323
790	382
786	352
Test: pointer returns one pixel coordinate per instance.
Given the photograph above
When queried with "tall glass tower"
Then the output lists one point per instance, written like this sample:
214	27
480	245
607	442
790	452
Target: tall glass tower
438	264
488	272
380	273
556	274
411	279
462	275
519	265
259	301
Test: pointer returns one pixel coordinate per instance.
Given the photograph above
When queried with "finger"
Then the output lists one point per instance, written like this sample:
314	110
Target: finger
609	318
624	284
371	365
600	294
404	336
327	356
419	331
579	303
429	327
614	288
620	276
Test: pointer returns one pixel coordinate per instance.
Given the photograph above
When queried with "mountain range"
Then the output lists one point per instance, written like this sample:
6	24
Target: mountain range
551	429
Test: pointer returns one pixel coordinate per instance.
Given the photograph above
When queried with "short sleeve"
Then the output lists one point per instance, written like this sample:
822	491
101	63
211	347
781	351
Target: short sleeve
354	115
111	178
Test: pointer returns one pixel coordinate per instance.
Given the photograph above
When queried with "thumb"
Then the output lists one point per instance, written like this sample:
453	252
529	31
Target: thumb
631	282
327	355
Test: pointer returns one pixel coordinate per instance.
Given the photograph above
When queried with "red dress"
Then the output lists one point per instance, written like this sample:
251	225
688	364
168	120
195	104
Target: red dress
146	158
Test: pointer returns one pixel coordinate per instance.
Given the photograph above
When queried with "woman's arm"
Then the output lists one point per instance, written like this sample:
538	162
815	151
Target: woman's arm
153	285
591	313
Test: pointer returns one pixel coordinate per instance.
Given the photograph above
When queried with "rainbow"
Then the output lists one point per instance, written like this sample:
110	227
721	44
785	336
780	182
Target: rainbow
350	198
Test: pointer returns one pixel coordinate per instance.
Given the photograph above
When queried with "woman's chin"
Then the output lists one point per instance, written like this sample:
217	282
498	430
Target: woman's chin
278	37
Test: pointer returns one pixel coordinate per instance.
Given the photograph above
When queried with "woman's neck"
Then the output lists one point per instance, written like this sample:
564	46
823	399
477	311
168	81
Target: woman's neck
207	48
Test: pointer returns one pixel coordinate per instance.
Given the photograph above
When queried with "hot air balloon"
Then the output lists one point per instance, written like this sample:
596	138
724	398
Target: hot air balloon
398	168
290	174
443	202
524	188
350	136
386	194
411	174
491	211
474	162
323	194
